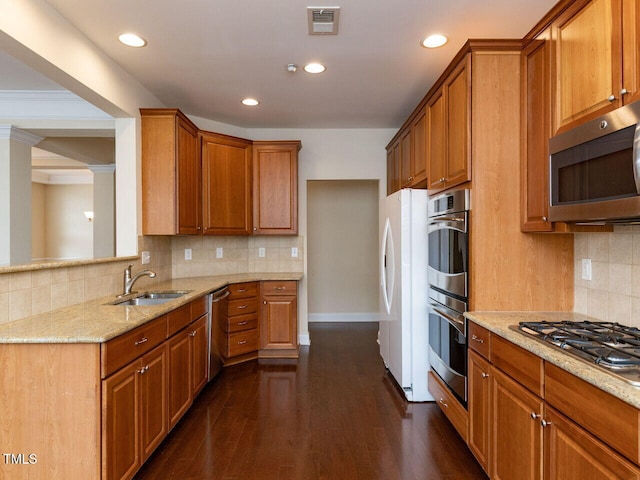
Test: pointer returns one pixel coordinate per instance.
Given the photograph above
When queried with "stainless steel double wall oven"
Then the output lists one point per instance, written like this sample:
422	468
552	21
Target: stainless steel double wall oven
448	232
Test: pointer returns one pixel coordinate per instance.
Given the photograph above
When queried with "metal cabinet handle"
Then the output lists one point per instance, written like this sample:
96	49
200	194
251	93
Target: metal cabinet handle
140	342
265	302
242	307
242	323
443	403
623	92
545	219
143	370
242	290
477	339
611	97
544	423
485	375
279	288
193	334
242	342
534	415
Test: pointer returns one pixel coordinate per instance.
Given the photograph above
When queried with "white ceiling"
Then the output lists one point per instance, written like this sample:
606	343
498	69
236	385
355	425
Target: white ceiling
204	56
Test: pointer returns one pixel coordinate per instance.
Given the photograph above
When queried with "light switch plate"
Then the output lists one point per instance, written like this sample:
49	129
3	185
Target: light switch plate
586	269
187	254
219	252
145	258
262	252
294	251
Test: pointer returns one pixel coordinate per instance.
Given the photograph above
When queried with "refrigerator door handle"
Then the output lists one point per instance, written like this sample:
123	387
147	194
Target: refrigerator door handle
387	266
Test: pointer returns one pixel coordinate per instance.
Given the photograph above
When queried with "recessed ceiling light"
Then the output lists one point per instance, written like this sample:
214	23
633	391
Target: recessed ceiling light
314	68
132	40
434	41
250	102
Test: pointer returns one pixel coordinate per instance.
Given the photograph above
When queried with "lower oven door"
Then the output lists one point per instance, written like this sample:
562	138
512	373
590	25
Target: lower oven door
448	348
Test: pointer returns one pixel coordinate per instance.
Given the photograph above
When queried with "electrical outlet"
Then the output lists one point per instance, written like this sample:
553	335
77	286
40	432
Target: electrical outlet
187	254
219	252
145	258
262	252
294	251
586	269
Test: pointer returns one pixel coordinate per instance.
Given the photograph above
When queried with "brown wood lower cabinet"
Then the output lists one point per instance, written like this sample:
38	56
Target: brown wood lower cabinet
451	407
570	430
279	319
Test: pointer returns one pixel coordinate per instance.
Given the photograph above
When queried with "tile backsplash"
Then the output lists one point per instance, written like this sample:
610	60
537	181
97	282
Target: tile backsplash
613	293
27	293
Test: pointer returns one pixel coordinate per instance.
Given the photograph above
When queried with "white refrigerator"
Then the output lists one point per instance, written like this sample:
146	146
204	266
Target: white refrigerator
404	334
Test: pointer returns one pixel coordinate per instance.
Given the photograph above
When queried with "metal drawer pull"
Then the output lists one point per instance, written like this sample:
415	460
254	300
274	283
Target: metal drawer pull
534	415
143	370
279	288
140	342
193	334
242	307
485	375
242	342
544	423
242	290
442	402
477	339
242	323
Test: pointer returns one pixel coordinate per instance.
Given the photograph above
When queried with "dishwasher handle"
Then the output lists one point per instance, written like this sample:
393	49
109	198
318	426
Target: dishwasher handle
220	295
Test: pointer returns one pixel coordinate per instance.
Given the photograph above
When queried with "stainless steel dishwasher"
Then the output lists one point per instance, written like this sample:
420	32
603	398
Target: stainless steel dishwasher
217	314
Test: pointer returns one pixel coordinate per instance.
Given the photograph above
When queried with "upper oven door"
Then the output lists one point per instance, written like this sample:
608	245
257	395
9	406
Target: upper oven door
448	241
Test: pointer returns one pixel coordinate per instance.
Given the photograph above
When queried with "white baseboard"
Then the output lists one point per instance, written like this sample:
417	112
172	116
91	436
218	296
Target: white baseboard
344	317
304	339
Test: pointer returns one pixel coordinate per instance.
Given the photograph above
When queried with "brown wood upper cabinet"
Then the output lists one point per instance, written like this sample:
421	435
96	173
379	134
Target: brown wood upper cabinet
171	174
226	184
393	167
597	67
449	125
275	187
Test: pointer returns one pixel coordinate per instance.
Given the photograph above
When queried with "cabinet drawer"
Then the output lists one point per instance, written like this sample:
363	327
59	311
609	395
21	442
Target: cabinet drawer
286	287
524	367
243	290
242	342
198	307
480	339
608	418
240	323
178	319
121	350
450	406
242	307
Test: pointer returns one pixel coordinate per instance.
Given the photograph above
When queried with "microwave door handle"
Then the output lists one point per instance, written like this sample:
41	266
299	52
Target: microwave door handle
636	158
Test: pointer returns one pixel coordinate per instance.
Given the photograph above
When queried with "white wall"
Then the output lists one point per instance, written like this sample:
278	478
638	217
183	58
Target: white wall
38	233
68	233
342	227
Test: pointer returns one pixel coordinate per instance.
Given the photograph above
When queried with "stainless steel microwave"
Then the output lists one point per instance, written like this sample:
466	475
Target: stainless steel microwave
594	170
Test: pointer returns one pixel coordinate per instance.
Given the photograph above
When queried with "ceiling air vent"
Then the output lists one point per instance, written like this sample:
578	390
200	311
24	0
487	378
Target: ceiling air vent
323	20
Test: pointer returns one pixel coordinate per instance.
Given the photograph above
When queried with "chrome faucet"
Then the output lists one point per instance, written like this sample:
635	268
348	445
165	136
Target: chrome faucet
129	281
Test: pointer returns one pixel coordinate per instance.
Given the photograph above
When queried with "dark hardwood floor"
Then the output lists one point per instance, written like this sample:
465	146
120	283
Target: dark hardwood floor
333	414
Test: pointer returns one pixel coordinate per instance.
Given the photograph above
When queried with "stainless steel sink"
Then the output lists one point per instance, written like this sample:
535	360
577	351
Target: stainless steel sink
151	298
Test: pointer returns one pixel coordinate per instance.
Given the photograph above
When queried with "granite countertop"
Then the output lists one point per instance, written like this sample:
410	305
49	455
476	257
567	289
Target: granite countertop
97	321
499	323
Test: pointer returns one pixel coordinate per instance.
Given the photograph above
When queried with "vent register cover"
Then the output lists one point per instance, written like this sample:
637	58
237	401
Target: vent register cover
323	20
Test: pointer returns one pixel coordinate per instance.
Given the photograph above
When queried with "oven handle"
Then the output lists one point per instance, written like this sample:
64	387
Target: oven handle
456	322
636	158
455	223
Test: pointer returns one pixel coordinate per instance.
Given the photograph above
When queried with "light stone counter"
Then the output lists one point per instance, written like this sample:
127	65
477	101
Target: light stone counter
97	321
499	323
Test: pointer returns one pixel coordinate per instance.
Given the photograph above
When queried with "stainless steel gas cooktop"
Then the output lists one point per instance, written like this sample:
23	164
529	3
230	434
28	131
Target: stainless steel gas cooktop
611	346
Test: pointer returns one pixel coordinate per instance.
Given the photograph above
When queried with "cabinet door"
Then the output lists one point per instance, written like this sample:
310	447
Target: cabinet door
393	168
180	374
570	453
198	335
121	455
279	322
406	160
588	61
516	446
226	185
275	187
458	126
188	173
154	421
419	141
536	130
436	147
630	50
479	406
